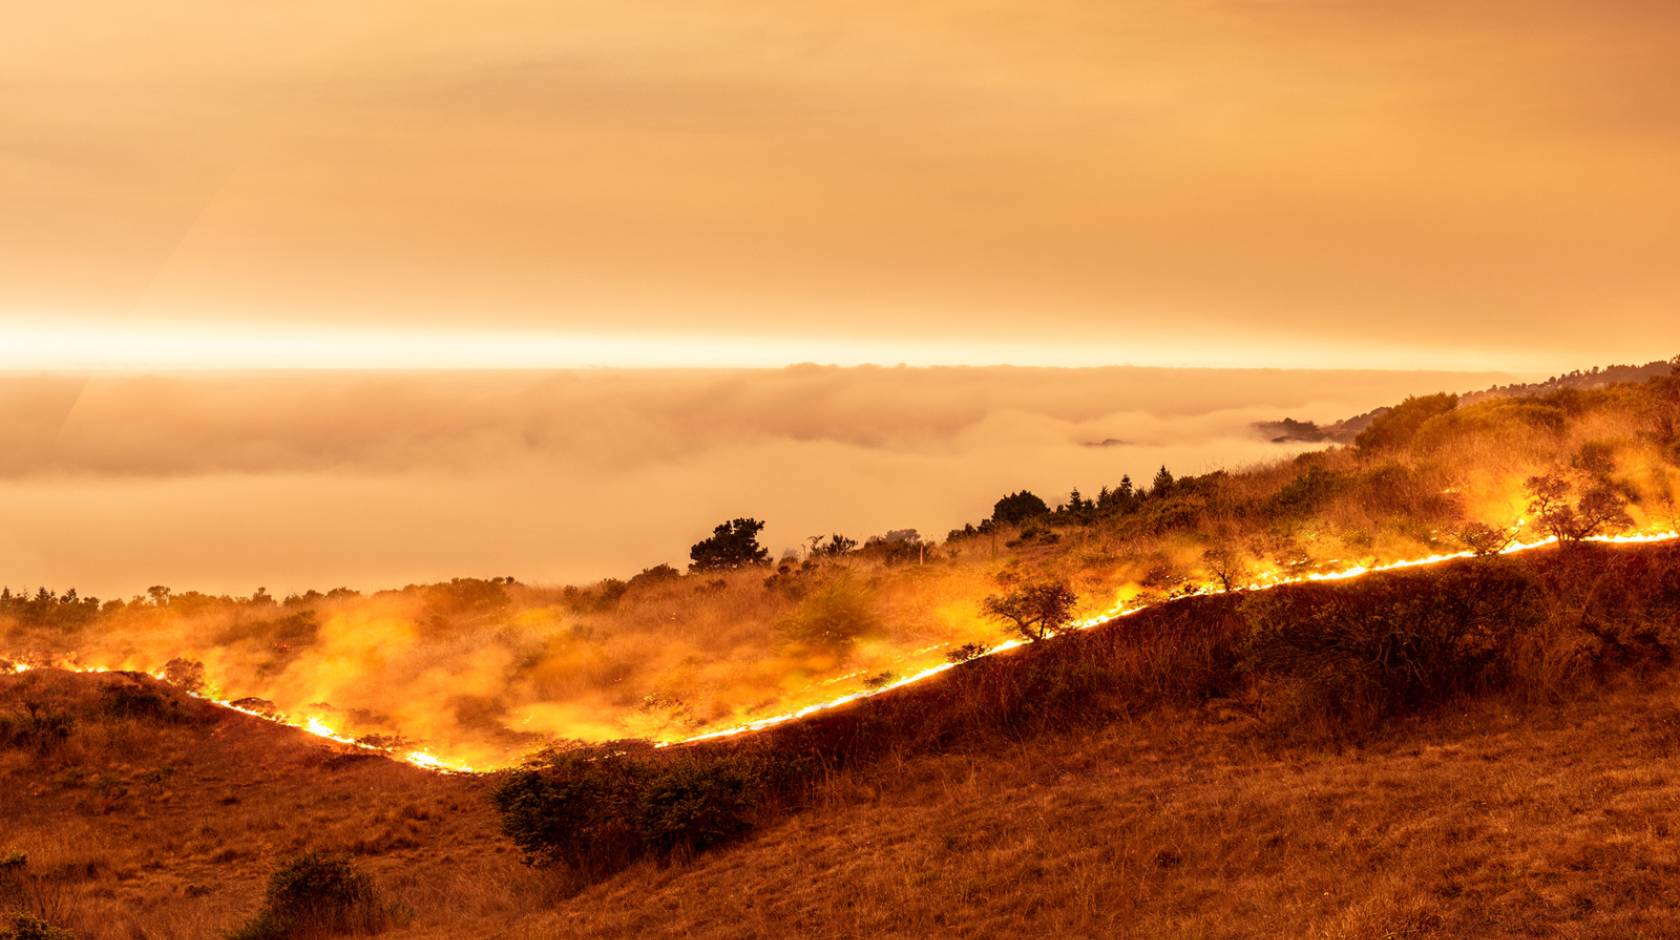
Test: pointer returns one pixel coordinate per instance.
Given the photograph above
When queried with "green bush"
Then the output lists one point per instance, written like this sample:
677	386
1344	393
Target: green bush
692	806
316	895
833	615
594	814
575	810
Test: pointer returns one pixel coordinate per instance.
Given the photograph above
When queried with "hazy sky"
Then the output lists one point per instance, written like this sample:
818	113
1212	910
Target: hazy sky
1291	182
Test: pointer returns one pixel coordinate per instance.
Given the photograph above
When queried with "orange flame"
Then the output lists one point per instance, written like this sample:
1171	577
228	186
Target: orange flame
313	724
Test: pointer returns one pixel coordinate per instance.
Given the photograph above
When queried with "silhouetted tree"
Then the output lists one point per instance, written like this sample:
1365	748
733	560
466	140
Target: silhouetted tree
1163	482
1485	540
836	546
898	546
732	544
1226	565
1017	508
1601	507
1036	611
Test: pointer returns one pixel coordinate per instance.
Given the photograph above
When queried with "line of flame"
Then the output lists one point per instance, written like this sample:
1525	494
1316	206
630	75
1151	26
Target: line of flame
1120	609
309	724
312	724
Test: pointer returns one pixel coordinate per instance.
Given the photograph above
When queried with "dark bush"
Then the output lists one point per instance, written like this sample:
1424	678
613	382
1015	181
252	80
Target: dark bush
130	699
593	814
36	727
316	895
1348	659
22	926
965	652
575	810
693	805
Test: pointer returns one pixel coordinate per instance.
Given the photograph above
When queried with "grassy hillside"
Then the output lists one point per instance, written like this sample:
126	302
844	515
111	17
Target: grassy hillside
1479	746
484	671
1051	791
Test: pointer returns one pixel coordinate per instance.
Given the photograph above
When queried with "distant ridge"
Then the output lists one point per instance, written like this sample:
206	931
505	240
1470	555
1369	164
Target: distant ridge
1344	431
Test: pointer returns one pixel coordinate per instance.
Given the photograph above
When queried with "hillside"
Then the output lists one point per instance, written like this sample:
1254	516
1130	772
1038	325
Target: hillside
1369	659
1491	821
1347	430
152	814
1514	811
480	672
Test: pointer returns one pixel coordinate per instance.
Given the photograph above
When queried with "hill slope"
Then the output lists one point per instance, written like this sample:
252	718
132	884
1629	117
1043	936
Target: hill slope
158	815
1490	820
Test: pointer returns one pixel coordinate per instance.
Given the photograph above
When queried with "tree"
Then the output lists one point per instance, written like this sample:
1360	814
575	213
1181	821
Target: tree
1163	482
1599	508
1227	565
897	547
1396	426
1036	611
732	544
1484	540
837	545
1017	508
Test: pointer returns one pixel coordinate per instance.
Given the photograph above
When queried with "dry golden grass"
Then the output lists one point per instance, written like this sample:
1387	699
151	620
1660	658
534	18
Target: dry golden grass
147	828
1489	822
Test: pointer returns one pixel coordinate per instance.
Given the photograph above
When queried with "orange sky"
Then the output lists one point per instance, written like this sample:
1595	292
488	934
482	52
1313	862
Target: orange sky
737	182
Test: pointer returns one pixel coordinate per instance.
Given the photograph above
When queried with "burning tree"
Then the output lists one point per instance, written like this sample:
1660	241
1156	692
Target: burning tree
1485	540
1036	611
1227	565
1599	508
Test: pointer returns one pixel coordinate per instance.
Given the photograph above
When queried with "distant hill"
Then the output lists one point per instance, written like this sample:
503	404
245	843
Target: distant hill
1344	431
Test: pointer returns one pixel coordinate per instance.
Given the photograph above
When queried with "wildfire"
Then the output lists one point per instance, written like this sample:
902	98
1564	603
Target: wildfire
311	724
315	725
1121	608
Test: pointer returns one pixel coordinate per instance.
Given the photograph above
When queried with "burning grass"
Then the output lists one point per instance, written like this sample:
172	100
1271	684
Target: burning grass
480	672
1333	661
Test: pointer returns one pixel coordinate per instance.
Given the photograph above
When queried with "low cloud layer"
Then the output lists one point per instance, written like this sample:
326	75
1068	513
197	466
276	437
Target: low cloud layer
300	480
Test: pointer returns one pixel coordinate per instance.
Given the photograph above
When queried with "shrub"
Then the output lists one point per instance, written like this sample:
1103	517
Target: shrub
1035	611
575	810
1485	540
833	615
316	895
594	814
1305	493
692	806
129	699
1396	427
965	652
1346	660
22	926
37	728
